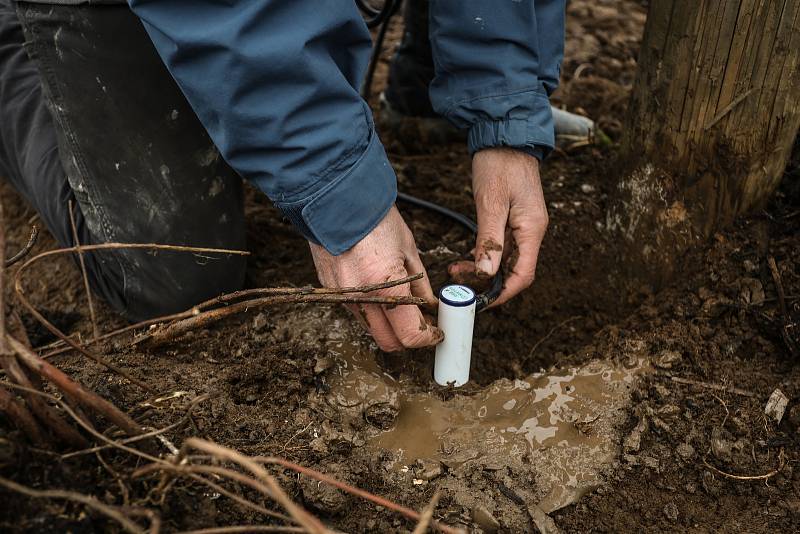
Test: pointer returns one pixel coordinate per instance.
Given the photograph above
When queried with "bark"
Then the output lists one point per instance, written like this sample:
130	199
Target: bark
713	115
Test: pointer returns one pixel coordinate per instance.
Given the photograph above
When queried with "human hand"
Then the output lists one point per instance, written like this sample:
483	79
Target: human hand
387	253
508	193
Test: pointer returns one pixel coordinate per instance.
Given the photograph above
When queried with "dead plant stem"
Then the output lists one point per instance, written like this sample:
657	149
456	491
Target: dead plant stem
108	511
82	261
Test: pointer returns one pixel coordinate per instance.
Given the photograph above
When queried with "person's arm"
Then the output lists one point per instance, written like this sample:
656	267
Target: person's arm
496	64
275	83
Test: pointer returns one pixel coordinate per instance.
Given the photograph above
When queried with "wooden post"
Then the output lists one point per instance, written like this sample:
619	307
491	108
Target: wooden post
713	115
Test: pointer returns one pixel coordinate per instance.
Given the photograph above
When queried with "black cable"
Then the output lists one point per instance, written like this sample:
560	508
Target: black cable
373	18
491	294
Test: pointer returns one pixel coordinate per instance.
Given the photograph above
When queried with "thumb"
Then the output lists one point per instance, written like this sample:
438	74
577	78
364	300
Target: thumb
492	220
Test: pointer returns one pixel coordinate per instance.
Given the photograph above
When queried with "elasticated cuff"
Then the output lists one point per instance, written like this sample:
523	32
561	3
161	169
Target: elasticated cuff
344	211
532	133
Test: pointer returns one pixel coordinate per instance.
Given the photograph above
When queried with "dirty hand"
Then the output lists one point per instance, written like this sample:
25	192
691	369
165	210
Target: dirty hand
387	253
508	193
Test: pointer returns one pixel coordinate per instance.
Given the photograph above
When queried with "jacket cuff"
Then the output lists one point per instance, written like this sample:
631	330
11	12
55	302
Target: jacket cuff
532	133
344	211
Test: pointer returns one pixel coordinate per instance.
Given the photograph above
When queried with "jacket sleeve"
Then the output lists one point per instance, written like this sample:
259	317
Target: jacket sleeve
496	65
275	83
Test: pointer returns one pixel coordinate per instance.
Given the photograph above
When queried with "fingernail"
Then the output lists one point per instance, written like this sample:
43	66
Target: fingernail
484	265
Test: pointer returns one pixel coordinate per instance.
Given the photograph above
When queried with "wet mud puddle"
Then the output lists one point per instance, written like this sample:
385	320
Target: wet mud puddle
561	426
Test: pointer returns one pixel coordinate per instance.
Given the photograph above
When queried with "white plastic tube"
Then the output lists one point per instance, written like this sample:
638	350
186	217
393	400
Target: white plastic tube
456	319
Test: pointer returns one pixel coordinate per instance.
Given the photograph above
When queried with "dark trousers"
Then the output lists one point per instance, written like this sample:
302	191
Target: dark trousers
89	113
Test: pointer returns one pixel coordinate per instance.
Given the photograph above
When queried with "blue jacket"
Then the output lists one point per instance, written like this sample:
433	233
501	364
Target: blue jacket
275	83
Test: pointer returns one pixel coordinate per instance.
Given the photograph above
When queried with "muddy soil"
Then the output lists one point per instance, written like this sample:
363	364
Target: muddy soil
288	380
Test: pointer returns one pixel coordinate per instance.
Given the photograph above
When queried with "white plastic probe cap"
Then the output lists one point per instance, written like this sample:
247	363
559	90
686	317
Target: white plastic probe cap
456	320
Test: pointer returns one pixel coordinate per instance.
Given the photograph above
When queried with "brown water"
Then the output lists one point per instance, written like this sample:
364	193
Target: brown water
561	426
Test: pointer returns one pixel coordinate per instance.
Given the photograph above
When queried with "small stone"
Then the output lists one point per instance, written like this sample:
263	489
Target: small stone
633	441
661	425
776	405
668	358
587	188
669	409
685	451
484	519
751	291
322	364
323	497
427	469
671	511
721	448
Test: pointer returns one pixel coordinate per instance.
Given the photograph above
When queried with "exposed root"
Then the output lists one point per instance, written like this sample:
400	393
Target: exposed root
765	476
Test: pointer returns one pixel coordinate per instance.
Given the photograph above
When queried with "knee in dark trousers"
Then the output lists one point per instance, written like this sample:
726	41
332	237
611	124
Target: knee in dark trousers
123	142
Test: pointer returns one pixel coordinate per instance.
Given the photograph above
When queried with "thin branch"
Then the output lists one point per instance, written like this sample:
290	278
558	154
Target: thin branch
21	417
238	499
146	435
243	528
74	390
306	520
26	250
307	290
715	387
550	333
380	501
193	470
87	289
204	319
105	246
39	407
8	403
765	476
776	277
224	299
108	511
427	515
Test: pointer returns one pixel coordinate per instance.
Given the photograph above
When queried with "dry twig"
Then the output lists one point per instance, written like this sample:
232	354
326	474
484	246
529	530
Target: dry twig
20	291
231	297
380	501
765	476
427	515
244	529
82	261
776	277
25	250
203	319
74	390
108	511
715	387
303	518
